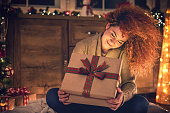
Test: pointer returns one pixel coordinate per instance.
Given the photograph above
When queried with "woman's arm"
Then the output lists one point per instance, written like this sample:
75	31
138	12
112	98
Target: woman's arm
128	85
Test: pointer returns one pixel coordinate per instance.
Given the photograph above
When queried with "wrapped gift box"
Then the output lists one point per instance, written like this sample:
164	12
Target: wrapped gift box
91	79
22	100
6	103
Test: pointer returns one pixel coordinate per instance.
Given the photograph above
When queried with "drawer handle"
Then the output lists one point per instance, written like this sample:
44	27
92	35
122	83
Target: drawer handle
92	32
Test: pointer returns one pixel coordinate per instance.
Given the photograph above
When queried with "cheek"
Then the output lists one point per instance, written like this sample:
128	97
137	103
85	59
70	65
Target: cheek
117	45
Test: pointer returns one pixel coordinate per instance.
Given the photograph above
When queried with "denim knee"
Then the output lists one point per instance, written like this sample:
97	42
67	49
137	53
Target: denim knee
140	104
52	97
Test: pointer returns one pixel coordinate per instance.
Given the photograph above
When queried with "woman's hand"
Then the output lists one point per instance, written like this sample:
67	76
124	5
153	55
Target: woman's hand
116	102
63	97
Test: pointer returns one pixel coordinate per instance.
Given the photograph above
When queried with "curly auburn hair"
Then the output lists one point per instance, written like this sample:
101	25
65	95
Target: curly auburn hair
143	37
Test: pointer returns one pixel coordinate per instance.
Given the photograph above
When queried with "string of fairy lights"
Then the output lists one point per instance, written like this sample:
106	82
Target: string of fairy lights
163	89
160	17
46	11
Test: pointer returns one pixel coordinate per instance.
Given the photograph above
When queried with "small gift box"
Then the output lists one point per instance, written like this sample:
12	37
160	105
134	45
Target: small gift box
6	103
22	100
22	96
91	79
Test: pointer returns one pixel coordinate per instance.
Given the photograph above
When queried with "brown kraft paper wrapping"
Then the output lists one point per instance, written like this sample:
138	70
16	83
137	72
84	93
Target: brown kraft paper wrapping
101	90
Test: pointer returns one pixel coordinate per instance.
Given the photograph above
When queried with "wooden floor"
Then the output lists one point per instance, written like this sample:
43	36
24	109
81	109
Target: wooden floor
152	98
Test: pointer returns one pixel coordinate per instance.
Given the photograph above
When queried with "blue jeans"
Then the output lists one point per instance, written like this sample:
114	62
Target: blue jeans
138	104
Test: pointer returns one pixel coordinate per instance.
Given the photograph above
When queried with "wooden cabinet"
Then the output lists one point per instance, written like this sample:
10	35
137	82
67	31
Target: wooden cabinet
38	53
40	47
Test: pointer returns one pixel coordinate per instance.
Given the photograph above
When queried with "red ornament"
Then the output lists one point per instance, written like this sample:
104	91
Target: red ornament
67	13
104	15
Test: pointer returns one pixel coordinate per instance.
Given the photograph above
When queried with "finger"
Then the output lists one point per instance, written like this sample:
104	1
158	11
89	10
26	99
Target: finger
63	99
66	103
61	92
113	101
114	109
113	106
64	96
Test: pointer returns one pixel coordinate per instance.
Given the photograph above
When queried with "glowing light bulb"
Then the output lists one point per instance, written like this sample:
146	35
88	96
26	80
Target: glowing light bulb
167	55
160	76
49	13
159	84
166	49
165	91
157	96
161	59
163	84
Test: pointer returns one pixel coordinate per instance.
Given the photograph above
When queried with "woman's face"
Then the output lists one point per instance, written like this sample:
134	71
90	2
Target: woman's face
112	38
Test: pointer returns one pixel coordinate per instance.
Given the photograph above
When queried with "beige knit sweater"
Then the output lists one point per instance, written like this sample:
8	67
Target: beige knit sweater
92	46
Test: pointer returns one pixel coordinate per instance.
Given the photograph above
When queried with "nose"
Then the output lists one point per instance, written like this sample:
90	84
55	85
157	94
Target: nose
112	40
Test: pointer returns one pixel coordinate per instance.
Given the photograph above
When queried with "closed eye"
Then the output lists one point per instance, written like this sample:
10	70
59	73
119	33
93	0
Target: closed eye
120	42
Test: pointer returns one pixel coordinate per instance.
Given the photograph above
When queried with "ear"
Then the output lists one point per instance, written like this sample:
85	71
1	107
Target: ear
107	26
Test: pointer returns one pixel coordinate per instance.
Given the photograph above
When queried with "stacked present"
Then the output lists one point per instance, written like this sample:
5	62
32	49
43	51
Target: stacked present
92	82
21	96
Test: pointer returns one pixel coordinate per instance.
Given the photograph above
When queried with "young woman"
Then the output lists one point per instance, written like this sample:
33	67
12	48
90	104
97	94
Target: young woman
130	34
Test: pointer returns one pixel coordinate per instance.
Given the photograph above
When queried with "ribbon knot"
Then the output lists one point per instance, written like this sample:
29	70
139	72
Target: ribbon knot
91	68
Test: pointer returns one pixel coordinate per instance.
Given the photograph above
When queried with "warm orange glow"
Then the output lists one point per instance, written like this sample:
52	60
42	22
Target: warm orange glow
165	70
163	89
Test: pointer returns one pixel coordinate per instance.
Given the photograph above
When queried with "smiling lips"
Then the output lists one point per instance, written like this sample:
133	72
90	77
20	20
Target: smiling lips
109	43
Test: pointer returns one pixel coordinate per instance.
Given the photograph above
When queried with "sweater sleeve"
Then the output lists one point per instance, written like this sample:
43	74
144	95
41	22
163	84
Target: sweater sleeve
128	84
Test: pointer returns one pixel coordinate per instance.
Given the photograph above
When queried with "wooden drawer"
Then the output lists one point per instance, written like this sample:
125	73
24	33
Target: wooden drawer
80	29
